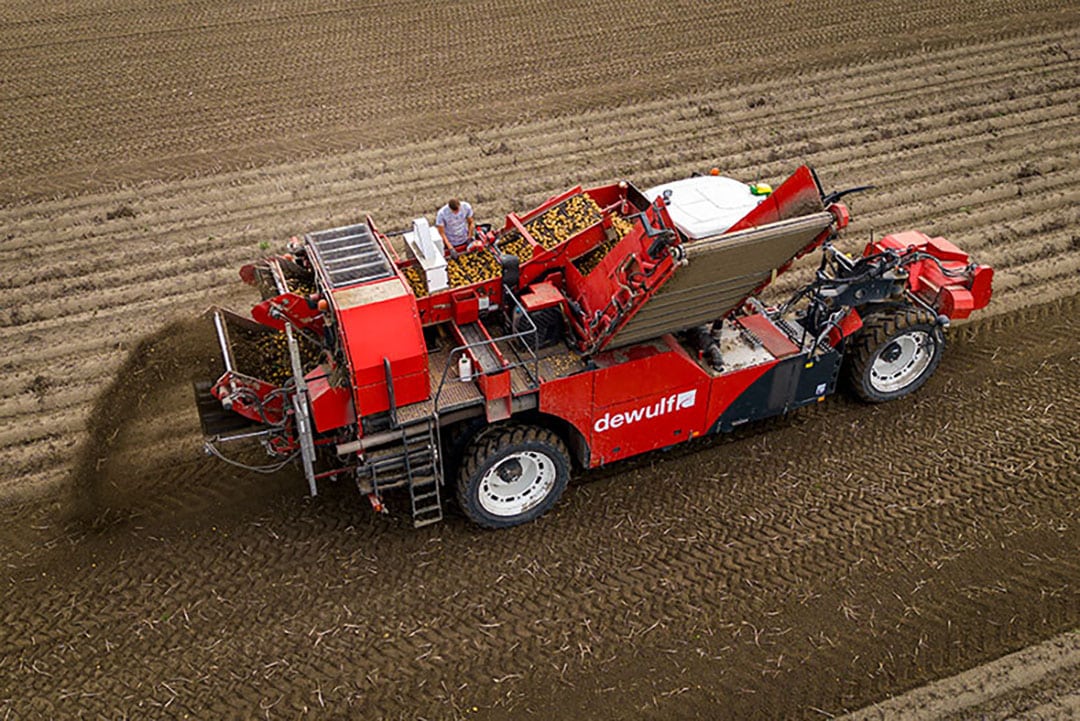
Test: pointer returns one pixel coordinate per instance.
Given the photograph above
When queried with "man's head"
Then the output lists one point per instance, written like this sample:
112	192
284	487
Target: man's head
454	204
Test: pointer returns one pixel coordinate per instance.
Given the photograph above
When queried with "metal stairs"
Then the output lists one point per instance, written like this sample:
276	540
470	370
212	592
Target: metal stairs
409	457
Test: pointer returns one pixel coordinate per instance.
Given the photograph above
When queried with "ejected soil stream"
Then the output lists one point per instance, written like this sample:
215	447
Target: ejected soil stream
800	568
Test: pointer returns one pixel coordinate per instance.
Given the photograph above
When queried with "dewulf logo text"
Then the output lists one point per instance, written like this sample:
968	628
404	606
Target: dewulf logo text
674	402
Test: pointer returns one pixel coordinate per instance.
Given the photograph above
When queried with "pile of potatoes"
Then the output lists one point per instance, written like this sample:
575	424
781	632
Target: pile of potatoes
588	262
271	358
476	266
513	243
416	280
565	220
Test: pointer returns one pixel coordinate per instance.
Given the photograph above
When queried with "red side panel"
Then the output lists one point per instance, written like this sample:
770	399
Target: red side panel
383	324
570	399
331	406
980	286
645	397
495	385
408	388
640	398
798	195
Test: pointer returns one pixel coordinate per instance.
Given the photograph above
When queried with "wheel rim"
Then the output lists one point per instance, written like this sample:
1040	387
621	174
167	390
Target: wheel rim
517	483
902	361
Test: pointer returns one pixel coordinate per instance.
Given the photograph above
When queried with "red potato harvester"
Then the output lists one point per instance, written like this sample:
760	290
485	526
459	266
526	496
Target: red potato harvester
605	323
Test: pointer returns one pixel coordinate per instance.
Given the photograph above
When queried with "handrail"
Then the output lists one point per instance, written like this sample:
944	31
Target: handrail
533	360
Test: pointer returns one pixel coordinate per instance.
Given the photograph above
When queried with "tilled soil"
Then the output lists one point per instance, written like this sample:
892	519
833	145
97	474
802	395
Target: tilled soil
1038	683
800	569
121	92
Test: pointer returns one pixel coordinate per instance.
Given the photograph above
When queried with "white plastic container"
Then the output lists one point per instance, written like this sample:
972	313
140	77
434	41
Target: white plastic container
427	248
464	366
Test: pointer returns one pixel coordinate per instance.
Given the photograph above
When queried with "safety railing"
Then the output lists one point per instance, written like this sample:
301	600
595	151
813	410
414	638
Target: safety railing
530	364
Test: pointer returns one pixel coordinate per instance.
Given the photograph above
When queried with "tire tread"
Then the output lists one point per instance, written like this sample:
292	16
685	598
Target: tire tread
492	442
877	329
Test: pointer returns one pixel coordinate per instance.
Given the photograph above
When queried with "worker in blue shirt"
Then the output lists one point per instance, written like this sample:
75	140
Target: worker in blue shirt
455	223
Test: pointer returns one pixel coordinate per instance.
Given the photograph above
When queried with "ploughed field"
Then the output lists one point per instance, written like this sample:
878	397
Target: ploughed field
801	568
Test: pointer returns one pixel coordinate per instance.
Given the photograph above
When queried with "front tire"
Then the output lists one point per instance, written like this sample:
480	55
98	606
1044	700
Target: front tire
512	476
894	354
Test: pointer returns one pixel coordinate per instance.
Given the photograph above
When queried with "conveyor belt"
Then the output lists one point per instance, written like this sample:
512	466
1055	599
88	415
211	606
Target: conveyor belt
720	273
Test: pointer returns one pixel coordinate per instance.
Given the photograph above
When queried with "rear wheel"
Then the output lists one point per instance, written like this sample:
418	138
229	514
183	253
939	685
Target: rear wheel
894	354
512	476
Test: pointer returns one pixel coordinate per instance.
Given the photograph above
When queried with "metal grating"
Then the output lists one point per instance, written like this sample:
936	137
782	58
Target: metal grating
349	255
480	347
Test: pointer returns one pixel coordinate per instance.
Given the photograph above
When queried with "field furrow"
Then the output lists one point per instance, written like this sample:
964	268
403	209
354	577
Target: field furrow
841	554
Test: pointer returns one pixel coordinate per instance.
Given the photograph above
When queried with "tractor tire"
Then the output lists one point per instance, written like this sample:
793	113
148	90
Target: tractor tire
512	476
894	354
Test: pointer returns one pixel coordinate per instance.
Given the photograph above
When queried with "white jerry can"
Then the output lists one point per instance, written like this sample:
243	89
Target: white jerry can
464	366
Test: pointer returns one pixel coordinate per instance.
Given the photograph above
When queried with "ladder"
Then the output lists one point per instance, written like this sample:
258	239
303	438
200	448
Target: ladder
410	458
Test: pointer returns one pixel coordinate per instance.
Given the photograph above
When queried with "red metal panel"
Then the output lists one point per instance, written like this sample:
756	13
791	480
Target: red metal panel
410	388
570	399
586	240
541	295
798	195
466	306
495	385
647	360
778	344
980	286
388	327
647	397
331	406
